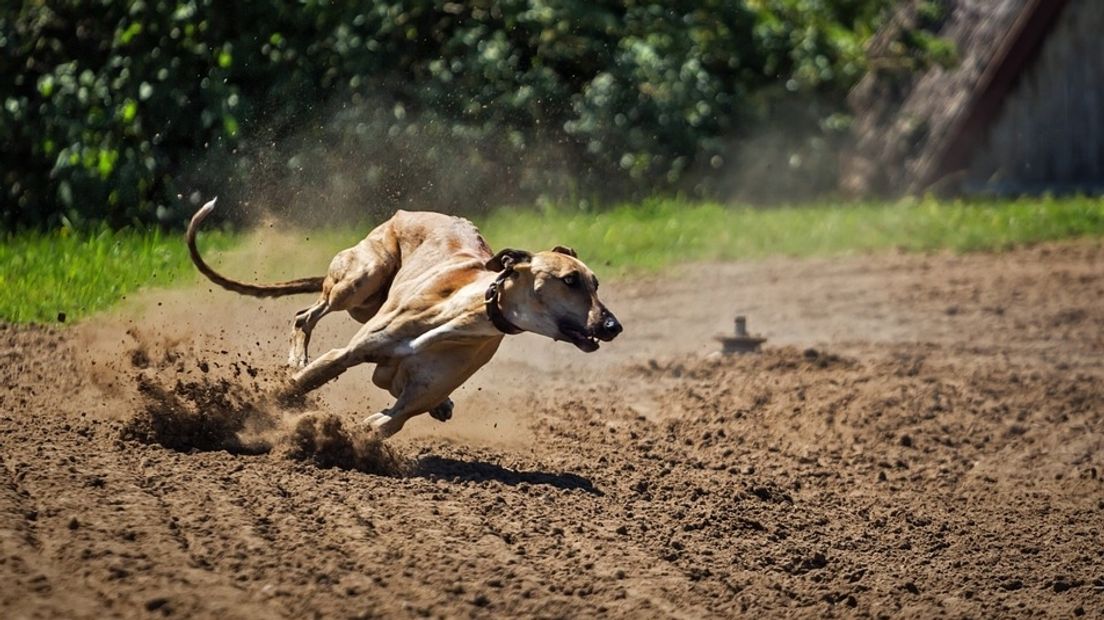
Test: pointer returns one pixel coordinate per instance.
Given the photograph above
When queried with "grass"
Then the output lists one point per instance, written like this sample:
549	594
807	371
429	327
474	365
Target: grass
45	275
657	233
42	274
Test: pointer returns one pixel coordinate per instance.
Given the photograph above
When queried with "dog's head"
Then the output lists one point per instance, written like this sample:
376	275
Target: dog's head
554	294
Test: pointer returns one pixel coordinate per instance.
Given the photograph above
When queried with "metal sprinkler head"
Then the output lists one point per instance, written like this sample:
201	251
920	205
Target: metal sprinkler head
742	342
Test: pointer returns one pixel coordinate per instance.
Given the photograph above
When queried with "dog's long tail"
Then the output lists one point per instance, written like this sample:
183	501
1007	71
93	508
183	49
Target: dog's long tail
278	289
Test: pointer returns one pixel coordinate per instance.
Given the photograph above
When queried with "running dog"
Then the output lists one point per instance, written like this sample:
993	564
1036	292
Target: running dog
435	304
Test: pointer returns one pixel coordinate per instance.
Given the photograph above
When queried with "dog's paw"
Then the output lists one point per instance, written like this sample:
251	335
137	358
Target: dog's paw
443	411
383	424
289	396
372	419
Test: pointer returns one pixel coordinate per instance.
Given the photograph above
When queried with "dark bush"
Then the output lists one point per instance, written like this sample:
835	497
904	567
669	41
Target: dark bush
122	111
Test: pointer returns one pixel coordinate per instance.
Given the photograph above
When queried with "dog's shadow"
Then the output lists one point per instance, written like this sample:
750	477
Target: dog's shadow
445	468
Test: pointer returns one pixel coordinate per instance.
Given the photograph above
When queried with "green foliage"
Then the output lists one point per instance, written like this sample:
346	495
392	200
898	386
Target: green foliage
914	44
44	274
115	111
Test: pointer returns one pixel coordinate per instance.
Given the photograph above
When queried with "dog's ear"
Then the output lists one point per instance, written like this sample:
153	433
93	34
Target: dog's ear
508	258
563	249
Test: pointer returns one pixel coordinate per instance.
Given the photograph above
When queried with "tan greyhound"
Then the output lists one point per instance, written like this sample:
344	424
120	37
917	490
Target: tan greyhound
435	304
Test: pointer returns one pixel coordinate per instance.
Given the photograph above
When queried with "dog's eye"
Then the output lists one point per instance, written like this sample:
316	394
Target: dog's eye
571	279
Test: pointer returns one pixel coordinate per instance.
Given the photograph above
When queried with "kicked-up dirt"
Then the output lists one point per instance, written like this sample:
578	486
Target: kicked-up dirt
921	437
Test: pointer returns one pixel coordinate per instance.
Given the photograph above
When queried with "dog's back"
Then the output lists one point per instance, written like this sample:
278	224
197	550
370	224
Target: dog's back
431	255
437	237
437	253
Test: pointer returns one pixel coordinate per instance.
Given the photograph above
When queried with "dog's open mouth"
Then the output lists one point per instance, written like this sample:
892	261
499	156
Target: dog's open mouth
579	337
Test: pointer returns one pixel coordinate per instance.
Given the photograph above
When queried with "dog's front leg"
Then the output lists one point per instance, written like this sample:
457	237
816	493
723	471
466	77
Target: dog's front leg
384	423
333	364
323	370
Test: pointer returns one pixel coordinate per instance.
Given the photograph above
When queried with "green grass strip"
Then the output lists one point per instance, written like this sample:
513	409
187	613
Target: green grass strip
44	274
657	233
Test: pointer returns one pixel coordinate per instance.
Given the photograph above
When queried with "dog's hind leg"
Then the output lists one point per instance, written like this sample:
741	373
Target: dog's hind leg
415	393
386	376
351	294
424	383
369	308
357	281
443	411
305	320
390	421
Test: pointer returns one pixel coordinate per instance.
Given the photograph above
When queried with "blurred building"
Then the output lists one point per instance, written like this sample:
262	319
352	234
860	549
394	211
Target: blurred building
1019	110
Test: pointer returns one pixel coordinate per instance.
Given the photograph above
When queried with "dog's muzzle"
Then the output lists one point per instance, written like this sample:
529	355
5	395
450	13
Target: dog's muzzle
608	327
586	338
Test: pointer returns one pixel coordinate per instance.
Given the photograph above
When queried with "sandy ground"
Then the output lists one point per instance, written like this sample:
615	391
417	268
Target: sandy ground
921	437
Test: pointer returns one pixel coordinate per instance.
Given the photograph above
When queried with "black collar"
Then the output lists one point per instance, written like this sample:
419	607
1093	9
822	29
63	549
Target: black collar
494	312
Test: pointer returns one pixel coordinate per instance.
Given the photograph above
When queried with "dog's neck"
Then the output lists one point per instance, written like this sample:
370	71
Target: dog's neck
491	301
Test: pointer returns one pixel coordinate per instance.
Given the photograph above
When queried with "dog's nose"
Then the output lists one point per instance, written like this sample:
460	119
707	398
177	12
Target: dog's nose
610	326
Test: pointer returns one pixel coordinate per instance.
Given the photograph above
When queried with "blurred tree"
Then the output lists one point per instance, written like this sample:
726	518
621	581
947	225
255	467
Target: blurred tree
115	110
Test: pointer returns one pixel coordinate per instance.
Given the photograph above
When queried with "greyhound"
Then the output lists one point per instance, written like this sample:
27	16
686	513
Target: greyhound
435	304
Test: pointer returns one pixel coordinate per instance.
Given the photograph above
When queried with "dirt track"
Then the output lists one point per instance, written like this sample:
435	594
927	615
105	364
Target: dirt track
922	437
